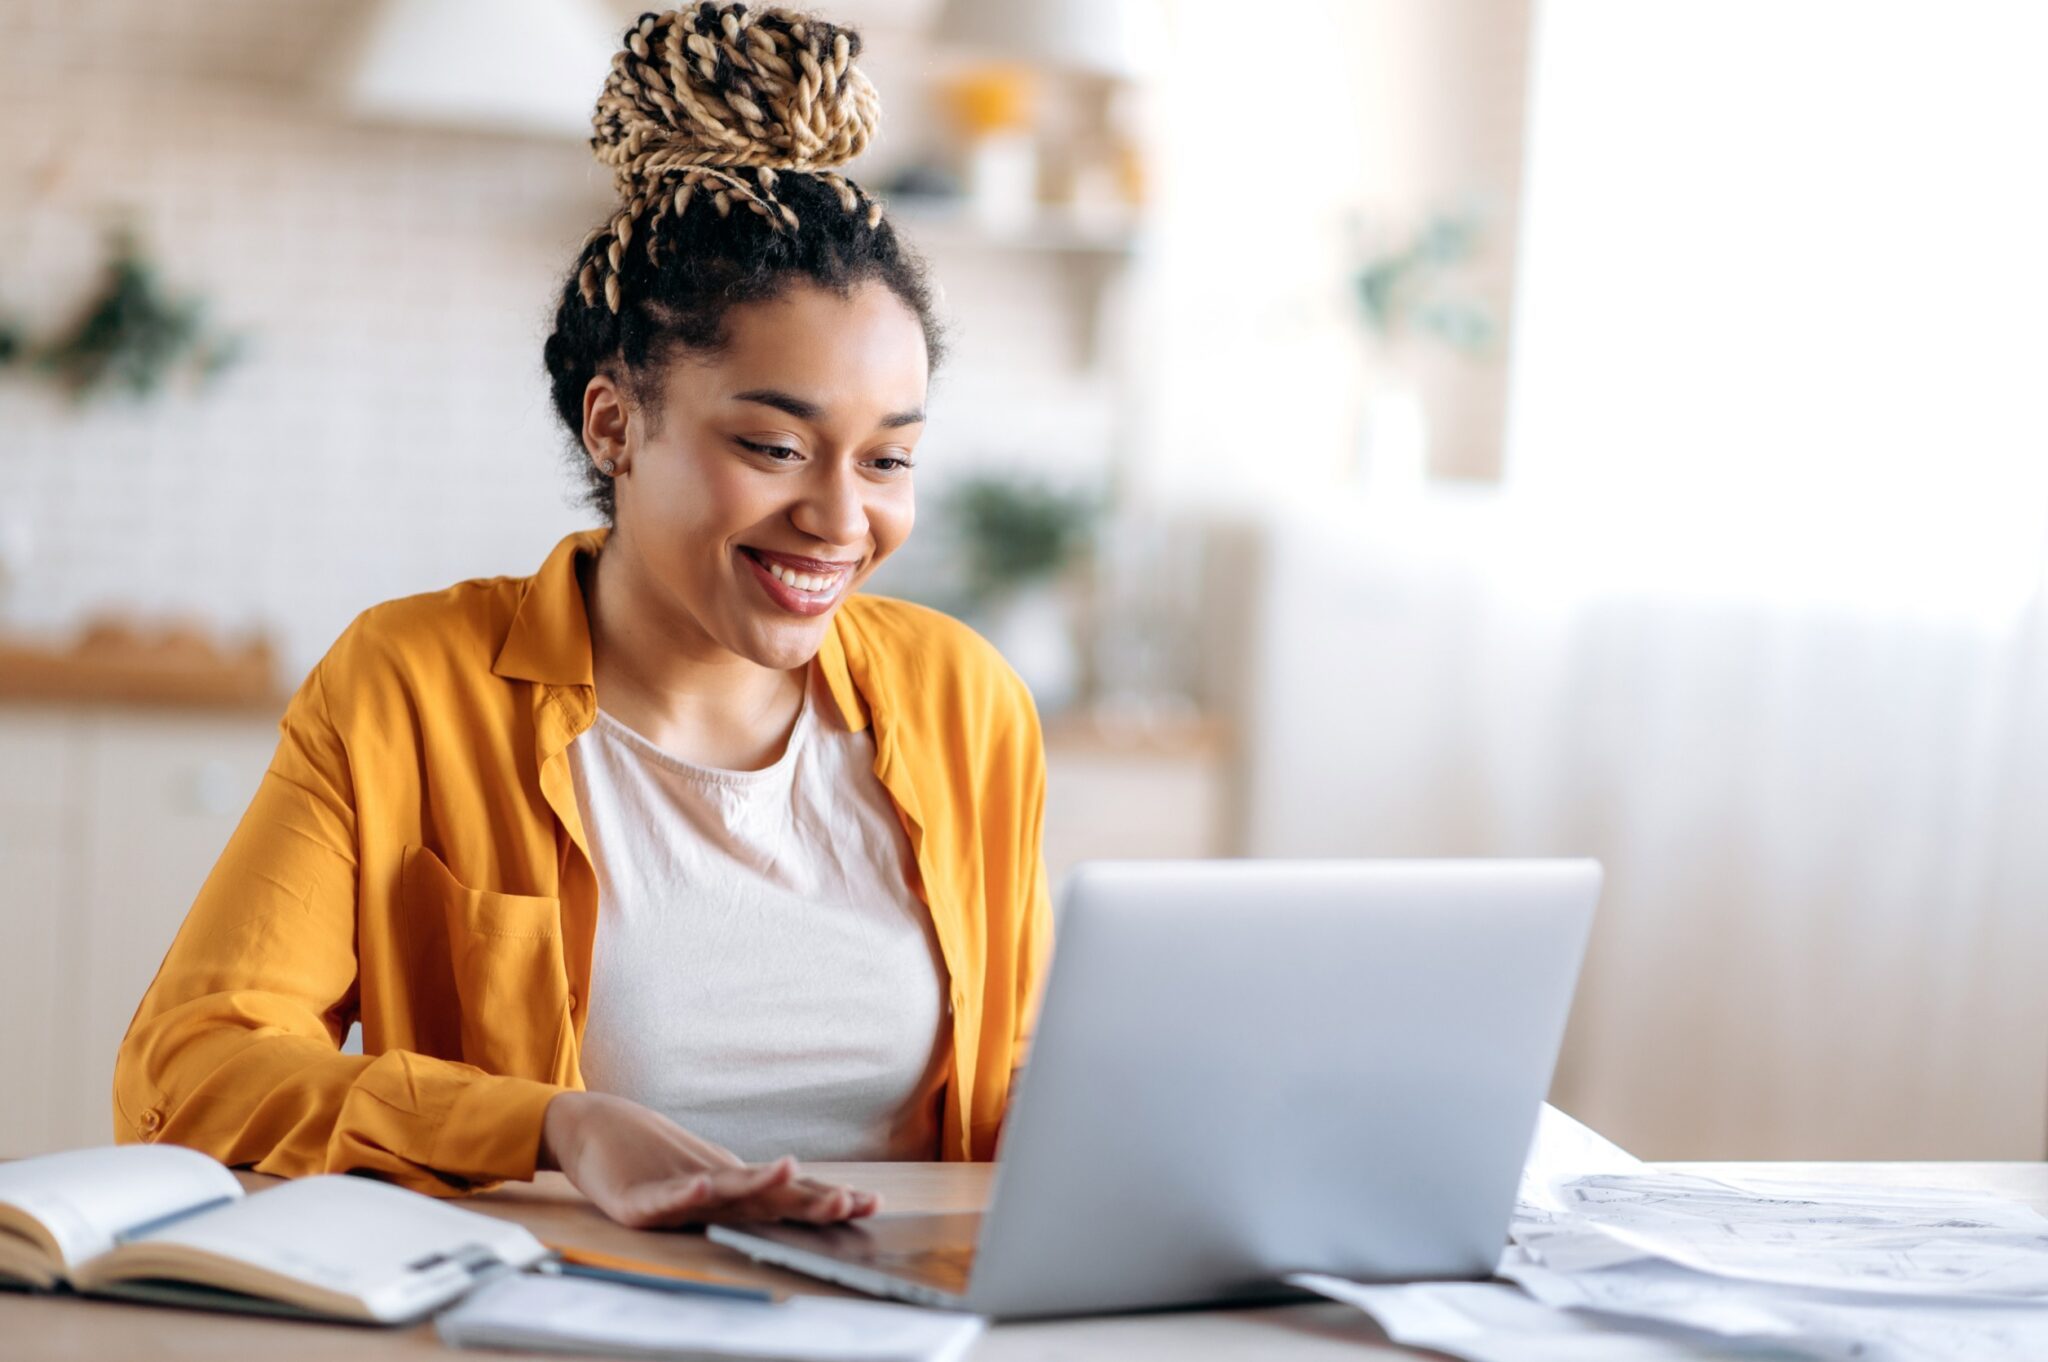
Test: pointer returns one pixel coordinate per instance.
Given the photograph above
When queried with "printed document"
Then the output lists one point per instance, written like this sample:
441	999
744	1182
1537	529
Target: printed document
569	1314
1613	1258
1845	1238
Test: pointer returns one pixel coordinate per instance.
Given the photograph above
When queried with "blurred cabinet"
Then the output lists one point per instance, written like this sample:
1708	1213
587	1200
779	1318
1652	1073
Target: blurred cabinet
110	820
39	863
1133	794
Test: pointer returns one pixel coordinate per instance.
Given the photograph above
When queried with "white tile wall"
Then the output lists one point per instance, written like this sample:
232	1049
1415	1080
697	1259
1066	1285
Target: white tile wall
389	429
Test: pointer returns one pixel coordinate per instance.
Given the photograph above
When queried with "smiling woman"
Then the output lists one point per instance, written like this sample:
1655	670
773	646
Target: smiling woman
681	856
754	487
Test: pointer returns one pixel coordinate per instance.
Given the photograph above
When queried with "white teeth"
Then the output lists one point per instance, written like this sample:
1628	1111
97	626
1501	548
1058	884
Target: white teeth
808	583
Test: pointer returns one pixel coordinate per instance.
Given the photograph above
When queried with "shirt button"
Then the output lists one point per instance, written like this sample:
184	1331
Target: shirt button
152	1121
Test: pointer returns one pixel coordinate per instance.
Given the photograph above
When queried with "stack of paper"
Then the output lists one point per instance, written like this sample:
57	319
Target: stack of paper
566	1314
1611	1255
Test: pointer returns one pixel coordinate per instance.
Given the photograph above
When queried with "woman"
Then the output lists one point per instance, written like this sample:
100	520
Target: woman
676	858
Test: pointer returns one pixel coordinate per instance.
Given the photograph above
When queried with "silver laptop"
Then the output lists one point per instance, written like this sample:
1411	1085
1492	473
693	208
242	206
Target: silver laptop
1244	1069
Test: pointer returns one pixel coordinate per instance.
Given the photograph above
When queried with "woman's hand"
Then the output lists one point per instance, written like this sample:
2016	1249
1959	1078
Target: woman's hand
645	1171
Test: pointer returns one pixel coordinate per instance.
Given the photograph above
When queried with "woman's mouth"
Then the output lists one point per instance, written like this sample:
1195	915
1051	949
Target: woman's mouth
801	586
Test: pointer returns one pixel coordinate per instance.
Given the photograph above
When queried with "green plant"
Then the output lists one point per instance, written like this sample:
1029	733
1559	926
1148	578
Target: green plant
133	333
1412	288
1016	531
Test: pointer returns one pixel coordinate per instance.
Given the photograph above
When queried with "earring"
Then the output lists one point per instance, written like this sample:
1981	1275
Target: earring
610	467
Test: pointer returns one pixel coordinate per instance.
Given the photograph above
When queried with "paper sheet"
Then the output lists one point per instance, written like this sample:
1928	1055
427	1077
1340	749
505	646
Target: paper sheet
1563	1151
1848	1238
1827	1324
1484	1322
568	1314
1620	1260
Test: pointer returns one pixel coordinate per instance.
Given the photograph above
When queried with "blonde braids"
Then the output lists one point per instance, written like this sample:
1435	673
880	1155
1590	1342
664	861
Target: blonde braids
715	101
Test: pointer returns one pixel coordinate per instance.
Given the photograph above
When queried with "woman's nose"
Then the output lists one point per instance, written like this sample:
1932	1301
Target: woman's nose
832	508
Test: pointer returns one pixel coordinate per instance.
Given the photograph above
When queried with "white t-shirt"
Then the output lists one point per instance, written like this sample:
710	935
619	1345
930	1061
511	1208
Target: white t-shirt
763	973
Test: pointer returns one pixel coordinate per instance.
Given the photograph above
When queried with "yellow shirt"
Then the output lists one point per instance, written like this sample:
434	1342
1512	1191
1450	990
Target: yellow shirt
414	860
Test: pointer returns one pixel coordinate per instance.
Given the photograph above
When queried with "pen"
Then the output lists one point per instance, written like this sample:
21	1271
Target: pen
607	1267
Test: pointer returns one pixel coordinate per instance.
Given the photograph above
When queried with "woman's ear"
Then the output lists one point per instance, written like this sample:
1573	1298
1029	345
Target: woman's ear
606	415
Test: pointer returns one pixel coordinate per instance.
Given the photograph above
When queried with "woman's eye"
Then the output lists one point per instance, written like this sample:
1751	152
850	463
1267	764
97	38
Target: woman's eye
890	463
779	453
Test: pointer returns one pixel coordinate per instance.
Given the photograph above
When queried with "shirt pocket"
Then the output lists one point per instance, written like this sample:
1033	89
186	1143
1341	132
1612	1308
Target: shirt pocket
505	950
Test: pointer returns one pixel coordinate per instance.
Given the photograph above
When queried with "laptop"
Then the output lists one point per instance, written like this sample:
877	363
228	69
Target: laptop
1244	1069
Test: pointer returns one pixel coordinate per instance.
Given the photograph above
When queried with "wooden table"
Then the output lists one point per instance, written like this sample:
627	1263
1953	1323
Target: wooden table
34	1328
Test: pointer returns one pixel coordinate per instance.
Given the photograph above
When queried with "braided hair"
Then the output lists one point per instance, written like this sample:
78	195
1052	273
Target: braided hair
721	126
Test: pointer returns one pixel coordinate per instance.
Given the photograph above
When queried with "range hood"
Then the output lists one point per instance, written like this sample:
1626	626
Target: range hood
519	66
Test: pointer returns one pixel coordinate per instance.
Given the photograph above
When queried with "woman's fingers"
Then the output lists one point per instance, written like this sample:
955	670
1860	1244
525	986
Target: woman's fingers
862	1203
656	1205
816	1203
727	1188
858	1203
737	1184
770	1191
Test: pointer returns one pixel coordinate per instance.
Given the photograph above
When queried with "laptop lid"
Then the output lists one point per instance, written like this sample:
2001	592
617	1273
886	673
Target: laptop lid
1244	1069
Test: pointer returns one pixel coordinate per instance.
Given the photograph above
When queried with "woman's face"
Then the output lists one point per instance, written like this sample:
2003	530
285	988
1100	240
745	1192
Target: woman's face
775	475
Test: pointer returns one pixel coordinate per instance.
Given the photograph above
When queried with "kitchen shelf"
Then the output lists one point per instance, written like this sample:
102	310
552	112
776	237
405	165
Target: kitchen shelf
949	223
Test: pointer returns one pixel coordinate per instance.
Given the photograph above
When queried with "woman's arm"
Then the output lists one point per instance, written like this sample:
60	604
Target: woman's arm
235	1048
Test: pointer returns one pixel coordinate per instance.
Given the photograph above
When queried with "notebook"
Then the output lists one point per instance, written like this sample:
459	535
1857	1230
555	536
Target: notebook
170	1225
598	1319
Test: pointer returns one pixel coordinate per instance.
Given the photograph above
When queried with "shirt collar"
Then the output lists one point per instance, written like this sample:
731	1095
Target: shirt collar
549	641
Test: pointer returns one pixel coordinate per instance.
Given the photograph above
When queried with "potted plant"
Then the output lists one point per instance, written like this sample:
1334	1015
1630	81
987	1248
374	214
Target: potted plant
1415	292
1020	543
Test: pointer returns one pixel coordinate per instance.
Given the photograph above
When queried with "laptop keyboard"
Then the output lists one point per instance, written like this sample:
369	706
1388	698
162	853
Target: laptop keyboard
947	1268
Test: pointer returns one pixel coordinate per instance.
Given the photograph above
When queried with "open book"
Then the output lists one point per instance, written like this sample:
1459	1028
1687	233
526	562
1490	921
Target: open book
160	1223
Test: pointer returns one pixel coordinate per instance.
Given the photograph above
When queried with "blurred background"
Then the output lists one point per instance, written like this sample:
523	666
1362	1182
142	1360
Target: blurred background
1374	428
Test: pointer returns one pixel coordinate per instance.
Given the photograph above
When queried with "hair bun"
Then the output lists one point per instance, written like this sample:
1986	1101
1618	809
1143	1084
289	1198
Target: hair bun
717	85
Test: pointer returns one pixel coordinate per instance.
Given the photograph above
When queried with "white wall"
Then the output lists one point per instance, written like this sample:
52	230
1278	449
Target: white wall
1758	617
390	430
1289	153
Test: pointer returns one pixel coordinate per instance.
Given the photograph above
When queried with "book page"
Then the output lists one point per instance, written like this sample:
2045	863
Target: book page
87	1198
390	1252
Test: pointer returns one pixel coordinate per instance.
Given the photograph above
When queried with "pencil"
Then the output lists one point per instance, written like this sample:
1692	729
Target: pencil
582	1262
